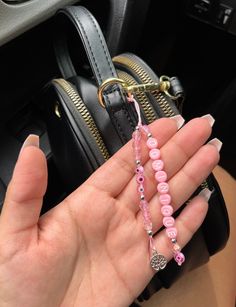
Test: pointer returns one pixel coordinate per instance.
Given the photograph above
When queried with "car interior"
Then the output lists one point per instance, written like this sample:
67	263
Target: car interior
192	39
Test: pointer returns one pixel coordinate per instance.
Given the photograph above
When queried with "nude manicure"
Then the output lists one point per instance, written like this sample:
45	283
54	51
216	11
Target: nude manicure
179	120
206	194
217	143
31	140
210	119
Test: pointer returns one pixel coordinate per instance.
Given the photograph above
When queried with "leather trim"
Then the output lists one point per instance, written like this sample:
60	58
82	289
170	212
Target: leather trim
100	61
93	41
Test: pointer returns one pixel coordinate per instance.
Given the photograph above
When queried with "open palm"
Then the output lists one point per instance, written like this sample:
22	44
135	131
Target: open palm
91	249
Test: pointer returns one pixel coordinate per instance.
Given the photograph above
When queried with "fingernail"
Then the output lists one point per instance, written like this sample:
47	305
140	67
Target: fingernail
179	120
31	140
210	119
217	143
206	194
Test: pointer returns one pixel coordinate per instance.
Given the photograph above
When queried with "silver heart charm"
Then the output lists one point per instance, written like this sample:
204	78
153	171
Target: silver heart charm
158	262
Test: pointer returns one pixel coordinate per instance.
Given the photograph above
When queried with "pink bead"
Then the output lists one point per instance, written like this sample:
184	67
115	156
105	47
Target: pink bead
168	221
161	176
171	232
140	178
167	210
152	143
165	199
154	154
146	215
143	204
157	165
139	170
136	135
138	155
163	187
136	147
179	258
140	188
145	128
176	247
147	225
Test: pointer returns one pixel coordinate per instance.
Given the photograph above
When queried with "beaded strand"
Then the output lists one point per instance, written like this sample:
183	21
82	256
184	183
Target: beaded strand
163	193
157	261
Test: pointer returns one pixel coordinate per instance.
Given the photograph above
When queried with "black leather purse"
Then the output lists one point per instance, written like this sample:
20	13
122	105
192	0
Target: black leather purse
88	120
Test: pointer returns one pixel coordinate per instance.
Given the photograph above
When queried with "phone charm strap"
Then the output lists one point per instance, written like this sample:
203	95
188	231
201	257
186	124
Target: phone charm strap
158	262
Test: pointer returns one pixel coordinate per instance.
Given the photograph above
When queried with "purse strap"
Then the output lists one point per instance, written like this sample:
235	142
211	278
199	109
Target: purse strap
100	61
93	41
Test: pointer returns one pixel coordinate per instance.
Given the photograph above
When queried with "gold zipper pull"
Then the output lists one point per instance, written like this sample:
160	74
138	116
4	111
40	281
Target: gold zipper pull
162	86
142	88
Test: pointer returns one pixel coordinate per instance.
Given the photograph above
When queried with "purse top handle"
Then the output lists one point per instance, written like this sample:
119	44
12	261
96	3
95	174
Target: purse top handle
99	59
93	41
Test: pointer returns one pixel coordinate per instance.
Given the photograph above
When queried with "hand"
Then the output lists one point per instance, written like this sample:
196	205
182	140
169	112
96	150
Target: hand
91	249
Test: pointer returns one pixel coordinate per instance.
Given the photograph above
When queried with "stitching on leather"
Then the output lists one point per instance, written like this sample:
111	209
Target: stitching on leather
112	90
128	117
89	45
99	74
116	120
102	42
125	111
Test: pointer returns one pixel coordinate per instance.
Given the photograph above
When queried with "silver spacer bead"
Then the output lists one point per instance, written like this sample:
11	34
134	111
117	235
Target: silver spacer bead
149	135
173	241
138	162
150	233
142	197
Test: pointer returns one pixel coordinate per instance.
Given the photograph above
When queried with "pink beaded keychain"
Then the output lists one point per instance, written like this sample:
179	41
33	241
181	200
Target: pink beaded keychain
158	262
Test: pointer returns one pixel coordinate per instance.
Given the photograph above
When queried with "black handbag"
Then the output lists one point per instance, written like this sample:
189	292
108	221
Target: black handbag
88	120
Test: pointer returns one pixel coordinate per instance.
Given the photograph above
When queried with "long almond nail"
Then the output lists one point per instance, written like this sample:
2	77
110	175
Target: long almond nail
179	120
217	143
206	194
210	119
31	140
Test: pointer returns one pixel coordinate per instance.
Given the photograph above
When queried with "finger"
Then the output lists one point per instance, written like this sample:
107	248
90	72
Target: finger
186	181
175	153
187	223
25	192
115	174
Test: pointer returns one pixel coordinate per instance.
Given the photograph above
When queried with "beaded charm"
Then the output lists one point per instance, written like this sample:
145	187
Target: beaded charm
157	261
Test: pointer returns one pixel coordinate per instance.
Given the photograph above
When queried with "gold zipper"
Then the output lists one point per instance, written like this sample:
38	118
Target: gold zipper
142	98
204	185
84	112
145	78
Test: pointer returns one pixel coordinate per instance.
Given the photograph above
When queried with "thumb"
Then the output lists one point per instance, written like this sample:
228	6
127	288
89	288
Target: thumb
25	192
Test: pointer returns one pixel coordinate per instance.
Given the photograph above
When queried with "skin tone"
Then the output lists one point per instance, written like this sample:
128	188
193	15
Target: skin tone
87	250
213	284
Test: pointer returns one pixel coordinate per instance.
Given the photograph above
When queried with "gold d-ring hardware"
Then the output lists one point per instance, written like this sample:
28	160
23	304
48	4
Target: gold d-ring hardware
107	83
